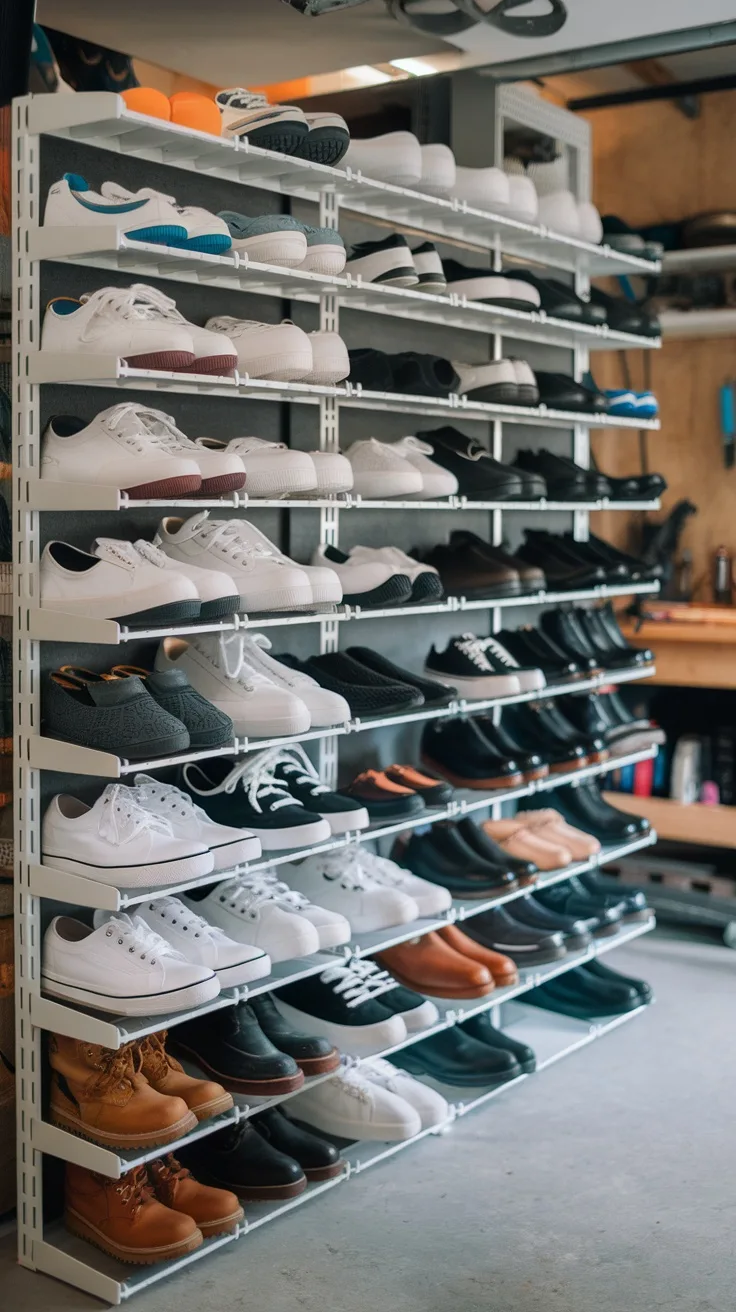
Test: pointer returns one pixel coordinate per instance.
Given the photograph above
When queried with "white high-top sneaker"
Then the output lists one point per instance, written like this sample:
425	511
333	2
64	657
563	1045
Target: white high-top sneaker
229	846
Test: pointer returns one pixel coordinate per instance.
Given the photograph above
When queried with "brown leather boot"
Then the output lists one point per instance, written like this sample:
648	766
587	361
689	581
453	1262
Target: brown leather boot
100	1094
216	1211
203	1097
123	1218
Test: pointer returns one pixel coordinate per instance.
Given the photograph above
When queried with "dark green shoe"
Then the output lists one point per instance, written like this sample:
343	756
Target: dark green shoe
208	726
115	715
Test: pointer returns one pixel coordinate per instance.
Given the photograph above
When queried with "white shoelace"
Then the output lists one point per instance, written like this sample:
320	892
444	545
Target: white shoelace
295	764
122	818
357	981
124	553
491	645
159	305
472	647
164	427
171	910
284	896
133	932
380	870
233	653
125	424
382	1072
152	554
245	896
346	864
123	302
255	776
224	535
148	790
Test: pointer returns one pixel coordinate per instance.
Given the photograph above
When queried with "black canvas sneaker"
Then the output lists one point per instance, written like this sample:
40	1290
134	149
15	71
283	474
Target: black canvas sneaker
347	1003
467	665
297	772
250	789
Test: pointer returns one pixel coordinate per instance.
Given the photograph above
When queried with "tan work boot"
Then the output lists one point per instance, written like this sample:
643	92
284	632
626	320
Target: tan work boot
123	1218
216	1211
100	1094
164	1073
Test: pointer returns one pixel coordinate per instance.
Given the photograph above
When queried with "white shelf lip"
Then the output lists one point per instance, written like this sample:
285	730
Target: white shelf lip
698	323
104	120
108	248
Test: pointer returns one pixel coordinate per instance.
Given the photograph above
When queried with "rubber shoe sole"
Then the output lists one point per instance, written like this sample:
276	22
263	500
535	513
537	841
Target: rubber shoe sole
171	612
224	1225
150	1004
171	361
108	1139
165	488
223	366
287	249
78	1225
396	591
505	781
219	608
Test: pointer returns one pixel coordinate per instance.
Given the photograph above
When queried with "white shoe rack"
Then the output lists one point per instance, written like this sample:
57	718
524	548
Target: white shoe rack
122	140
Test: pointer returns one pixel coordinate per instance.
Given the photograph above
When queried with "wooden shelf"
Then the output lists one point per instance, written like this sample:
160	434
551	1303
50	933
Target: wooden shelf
697	652
714	826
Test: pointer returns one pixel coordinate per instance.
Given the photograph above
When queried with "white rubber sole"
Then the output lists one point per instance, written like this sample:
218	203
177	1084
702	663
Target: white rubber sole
283	840
355	1040
245	971
279	481
331	371
232	854
279	726
156	875
332	936
278	599
325	259
281	366
419	1018
486	685
285	248
531	680
434	488
429	905
344	822
154	1004
385	486
476	289
392	268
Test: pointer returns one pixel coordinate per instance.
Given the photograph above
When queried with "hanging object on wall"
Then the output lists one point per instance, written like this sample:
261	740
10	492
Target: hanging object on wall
458	15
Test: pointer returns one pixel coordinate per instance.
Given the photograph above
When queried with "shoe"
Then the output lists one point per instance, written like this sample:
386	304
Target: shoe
123	1218
114	322
102	1095
532	730
367	582
247	115
625	316
220	467
350	1105
430	966
342	882
255	707
424	578
457	750
118	842
502	969
250	911
557	300
279	351
167	1076
466	665
580	807
433	1109
561	392
416	373
394	157
381	472
121	968
438	170
319	1159
583	996
388	263
479	476
447	840
561	571
206	724
565	480
531	678
573	899
553	827
428	266
493	383
499	931
347	1006
264	581
530	647
214	1211
117	448
565	629
503	743
326	252
116	715
343	814
229	846
430	899
201	941
312	1053
327	139
470	572
153	218
267	238
636	907
114	583
597	968
434	694
214	353
436	481
325	708
613	656
524	844
272	469
425	859
480	1028
249	795
484	189
325	590
416	1011
482	284
230	1047
434	792
530	579
330	360
217	593
455	1058
384	799
484	846
240	1160
577	933
366	691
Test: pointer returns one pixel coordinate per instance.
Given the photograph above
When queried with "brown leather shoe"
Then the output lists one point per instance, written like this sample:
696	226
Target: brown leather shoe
101	1094
124	1219
502	968
467	571
431	966
164	1073
215	1211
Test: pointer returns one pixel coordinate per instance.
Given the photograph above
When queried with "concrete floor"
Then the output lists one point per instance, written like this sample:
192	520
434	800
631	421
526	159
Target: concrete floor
606	1184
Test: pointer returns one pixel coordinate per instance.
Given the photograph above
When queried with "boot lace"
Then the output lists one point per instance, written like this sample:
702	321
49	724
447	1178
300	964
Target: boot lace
133	1189
358	981
115	1068
155	1060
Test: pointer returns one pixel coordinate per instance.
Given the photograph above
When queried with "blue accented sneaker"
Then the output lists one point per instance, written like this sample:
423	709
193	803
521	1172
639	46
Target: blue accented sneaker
205	232
325	251
267	238
147	217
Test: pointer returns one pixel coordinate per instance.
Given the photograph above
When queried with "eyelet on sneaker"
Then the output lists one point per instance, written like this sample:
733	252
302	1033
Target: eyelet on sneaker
131	949
120	942
108	934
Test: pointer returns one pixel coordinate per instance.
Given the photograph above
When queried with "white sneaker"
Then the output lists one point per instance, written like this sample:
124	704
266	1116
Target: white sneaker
272	469
432	1108
494	382
204	231
251	910
248	115
436	481
483	189
114	583
387	263
364	581
523	199
494	287
151	217
118	842
558	211
112	321
332	928
116	450
431	899
334	473
428	265
214	353
339	881
221	471
325	708
326	252
397	559
589	219
122	967
439	172
262	577
352	1106
215	667
330	360
280	351
228	846
526	381
198	942
381	472
325	589
395	157
217	592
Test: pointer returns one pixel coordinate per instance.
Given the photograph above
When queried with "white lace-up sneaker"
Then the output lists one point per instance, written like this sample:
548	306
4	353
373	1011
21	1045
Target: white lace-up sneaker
334	473
439	170
117	842
214	353
251	910
343	814
114	583
379	471
433	1109
330	360
280	351
203	231
116	450
147	216
261	573
483	189
339	881
218	595
216	667
436	481
325	708
347	1005
365	581
221	470
431	899
229	846
353	1106
325	588
249	793
272	469
123	967
332	928
248	114
202	944
113	321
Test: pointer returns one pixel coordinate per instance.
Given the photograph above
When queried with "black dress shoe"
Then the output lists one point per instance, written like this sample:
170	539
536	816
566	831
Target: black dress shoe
230	1046
319	1159
493	853
580	555
449	840
240	1159
636	906
640	487
583	996
498	930
434	694
624	316
565	480
560	625
480	1028
558	300
530	730
423	858
613	657
597	968
531	764
456	1058
529	644
607	813
312	1053
571	898
479	476
562	574
610	623
457	750
587	713
561	392
576	932
577	806
366	692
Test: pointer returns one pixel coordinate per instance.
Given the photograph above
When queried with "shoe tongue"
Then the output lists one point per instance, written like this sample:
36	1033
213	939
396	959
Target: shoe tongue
240	98
114	551
167	680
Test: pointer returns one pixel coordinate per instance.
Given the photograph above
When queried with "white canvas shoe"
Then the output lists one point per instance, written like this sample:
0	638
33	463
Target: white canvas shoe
589	220
325	708
272	469
114	583
325	589
334	473
234	962
432	1108
229	846
431	899
353	1106
265	580
214	353
395	558
523	199
216	668
217	592
250	910
380	472
340	881
280	351
147	216
123	967
364	582
248	114
330	360
221	470
395	157
204	231
117	450
332	928
386	263
113	321
117	842
439	172
428	265
483	189
558	210
436	481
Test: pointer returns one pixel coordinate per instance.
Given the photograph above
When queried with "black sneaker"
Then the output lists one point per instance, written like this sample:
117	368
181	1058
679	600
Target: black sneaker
434	694
347	1002
343	814
472	668
479	476
366	691
249	796
388	262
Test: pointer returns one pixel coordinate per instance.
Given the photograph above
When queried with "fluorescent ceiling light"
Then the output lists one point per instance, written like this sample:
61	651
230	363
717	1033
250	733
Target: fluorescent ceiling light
415	67
367	75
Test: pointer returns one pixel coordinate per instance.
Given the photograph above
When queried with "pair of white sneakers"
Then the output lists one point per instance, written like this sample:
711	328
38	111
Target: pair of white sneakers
283	352
371	1100
145	215
371	891
272	469
382	470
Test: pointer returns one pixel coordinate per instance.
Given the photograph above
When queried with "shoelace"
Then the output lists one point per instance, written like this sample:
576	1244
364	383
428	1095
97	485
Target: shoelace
226	537
152	554
357	981
247	895
377	980
178	913
138	437
494	647
159	305
122	818
121	551
115	1069
164	427
282	894
475	451
378	868
472	647
165	1174
148	790
133	1189
239	98
347	865
121	301
296	765
381	1071
139	938
350	1079
414	444
256	777
153	1055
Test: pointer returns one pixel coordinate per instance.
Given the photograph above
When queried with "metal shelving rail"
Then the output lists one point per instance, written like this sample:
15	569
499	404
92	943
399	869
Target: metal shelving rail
102	120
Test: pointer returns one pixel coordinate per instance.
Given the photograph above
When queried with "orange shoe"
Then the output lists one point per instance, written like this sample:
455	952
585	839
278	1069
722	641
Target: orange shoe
146	100
434	791
214	1211
192	110
502	968
430	966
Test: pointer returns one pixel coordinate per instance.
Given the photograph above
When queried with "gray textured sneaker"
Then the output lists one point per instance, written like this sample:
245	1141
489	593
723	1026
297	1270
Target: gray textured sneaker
116	716
208	726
